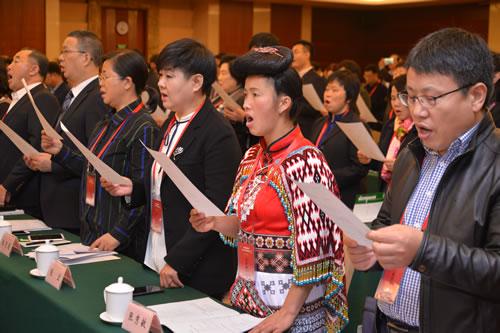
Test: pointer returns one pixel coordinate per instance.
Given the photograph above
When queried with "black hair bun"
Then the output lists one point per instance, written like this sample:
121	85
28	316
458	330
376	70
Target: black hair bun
267	61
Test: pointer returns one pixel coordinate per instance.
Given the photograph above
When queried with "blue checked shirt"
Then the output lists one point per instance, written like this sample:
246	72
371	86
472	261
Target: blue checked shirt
406	307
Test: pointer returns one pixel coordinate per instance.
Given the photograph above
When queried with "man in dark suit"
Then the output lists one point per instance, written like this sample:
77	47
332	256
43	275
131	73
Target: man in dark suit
83	108
55	82
302	54
377	91
20	185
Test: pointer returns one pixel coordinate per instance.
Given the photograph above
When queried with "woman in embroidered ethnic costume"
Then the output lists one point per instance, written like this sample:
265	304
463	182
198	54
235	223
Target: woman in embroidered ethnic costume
290	254
403	130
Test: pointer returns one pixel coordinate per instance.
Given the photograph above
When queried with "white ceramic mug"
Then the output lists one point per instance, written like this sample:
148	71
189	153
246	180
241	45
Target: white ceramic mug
44	256
5	228
117	297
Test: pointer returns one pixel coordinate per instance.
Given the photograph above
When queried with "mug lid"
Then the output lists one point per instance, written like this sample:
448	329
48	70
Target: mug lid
47	247
120	287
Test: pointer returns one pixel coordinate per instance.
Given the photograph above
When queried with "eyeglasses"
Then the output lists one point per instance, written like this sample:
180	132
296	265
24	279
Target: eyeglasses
71	51
426	101
102	77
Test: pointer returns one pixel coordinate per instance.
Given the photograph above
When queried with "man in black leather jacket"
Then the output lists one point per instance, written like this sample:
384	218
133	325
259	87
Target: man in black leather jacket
440	222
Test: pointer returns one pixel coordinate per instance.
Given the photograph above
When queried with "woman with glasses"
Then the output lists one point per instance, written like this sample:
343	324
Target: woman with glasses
290	255
106	222
340	101
396	133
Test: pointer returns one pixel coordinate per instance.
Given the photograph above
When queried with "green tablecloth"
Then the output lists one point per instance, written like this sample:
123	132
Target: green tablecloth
362	284
29	304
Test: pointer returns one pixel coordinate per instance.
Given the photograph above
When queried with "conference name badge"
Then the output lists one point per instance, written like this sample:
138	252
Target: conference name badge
389	284
246	261
90	193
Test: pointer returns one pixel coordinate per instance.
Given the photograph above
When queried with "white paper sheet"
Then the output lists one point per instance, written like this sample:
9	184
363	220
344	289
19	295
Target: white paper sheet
312	97
12	212
337	211
228	100
203	315
49	130
361	138
77	254
17	140
197	199
364	111
28	225
102	168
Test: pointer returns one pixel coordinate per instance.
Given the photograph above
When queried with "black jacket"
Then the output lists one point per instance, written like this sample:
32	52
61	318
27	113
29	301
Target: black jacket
307	114
61	92
17	178
61	188
342	157
459	257
210	159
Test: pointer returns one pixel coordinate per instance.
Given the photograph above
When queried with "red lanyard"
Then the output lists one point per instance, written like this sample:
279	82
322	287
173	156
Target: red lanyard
322	132
170	125
5	115
372	91
101	152
293	146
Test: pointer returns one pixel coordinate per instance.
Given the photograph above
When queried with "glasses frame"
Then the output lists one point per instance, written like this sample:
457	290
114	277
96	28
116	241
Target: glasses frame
424	100
71	51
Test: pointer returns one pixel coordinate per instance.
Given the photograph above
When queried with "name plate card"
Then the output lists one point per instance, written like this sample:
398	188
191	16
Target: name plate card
59	273
139	319
10	243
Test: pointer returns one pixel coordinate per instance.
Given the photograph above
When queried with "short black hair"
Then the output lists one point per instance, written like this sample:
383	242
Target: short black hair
40	59
132	64
54	68
263	39
351	84
274	63
220	55
4	85
454	52
496	61
226	58
190	57
351	66
90	43
371	68
229	60
399	83
154	58
308	45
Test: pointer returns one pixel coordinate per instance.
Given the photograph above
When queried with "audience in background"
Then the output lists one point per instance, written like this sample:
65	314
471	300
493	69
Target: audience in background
55	82
340	98
302	55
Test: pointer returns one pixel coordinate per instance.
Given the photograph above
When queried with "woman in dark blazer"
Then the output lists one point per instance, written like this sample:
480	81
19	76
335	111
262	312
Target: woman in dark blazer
106	223
204	146
340	99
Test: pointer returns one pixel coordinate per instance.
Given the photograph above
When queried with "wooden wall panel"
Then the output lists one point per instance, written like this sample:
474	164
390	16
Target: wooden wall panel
22	23
134	39
365	36
286	23
236	20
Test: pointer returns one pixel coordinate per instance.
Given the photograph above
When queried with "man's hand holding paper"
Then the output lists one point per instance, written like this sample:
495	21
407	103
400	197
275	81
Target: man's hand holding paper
395	246
40	162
